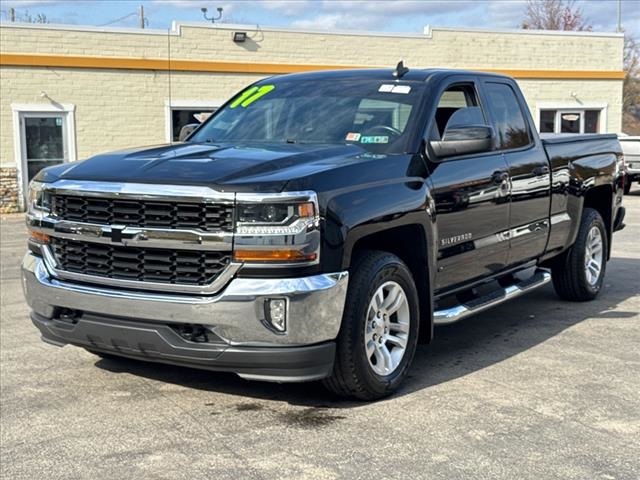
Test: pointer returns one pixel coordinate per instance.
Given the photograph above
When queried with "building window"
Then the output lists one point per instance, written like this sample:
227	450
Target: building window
570	121
184	116
179	113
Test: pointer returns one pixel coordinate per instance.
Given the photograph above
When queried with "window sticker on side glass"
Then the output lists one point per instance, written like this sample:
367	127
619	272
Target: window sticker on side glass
374	139
389	88
352	137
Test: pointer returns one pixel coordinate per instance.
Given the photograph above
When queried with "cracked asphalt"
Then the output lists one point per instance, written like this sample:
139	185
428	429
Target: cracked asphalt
534	389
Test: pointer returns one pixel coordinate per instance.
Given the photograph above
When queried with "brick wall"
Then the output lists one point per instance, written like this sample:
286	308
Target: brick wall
122	108
8	190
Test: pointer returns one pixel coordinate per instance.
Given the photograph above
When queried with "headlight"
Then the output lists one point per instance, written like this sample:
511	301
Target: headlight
277	228
39	207
39	200
275	219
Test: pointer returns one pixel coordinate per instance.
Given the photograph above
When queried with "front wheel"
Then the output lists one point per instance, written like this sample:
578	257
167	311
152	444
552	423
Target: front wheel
379	331
579	273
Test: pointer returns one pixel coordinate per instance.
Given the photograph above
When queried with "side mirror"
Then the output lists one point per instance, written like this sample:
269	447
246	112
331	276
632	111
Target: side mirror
463	140
187	130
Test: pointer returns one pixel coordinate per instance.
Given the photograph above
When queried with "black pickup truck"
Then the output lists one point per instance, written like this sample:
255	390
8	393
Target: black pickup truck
319	225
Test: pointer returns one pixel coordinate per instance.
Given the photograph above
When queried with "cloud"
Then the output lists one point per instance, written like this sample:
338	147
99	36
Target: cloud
340	21
409	16
289	8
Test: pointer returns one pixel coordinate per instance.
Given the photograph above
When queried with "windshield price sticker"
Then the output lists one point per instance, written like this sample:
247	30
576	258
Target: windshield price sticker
250	95
388	88
374	139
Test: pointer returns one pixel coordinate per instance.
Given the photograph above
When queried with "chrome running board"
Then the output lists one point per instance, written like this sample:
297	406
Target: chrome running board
480	304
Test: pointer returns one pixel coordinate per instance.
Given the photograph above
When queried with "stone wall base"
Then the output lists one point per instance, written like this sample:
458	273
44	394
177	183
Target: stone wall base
9	194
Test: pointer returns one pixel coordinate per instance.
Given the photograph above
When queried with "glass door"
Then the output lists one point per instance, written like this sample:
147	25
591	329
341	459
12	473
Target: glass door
570	122
44	142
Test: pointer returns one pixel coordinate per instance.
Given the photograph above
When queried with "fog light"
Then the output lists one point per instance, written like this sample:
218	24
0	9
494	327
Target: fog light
276	313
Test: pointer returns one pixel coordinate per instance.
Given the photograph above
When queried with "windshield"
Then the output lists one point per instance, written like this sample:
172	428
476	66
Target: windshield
376	115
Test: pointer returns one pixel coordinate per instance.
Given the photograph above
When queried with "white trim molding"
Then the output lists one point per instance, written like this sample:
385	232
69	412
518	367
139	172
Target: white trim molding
186	105
17	109
176	30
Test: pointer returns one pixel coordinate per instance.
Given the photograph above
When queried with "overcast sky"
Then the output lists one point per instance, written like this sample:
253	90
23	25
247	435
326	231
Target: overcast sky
391	16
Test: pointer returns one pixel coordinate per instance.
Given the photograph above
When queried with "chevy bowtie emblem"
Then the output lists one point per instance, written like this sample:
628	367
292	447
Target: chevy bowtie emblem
116	235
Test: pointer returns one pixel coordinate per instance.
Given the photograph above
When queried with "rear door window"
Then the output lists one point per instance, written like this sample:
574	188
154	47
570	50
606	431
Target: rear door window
507	116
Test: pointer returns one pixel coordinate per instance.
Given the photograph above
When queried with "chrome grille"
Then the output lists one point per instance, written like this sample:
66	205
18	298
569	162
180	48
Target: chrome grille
144	213
184	267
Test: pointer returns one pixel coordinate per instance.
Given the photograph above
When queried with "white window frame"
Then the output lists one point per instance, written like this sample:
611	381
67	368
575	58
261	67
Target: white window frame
170	105
18	109
572	107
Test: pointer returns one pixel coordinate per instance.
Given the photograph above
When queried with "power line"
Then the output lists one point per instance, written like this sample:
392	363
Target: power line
140	14
118	19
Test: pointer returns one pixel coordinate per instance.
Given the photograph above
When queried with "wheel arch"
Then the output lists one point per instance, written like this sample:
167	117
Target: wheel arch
410	243
600	198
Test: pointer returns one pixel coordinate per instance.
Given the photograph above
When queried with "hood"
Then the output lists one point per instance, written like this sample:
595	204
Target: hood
223	167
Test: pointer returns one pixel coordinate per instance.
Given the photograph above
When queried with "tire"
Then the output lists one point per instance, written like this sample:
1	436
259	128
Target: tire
356	373
572	279
627	186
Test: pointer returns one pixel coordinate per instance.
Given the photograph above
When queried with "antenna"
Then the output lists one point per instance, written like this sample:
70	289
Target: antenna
400	70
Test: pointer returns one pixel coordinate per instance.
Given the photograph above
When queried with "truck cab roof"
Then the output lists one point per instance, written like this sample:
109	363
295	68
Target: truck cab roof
386	74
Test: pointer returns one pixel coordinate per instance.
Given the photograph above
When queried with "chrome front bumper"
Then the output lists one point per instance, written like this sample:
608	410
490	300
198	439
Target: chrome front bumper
236	314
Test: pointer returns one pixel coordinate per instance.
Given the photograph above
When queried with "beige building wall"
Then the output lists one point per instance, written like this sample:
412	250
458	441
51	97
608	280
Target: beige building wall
118	85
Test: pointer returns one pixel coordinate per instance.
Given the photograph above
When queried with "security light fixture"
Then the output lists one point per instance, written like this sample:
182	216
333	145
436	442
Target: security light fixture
204	11
239	37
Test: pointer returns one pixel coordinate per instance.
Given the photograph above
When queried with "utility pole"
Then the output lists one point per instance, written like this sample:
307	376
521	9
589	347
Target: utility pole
12	14
141	15
619	27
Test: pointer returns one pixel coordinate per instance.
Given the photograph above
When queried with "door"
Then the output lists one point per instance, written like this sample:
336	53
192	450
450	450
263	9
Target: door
528	172
44	142
471	193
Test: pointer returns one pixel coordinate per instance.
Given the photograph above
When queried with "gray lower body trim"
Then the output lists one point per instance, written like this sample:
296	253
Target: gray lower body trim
160	343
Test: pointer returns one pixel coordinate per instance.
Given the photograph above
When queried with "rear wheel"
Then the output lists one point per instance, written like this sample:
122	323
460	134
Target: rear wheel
379	331
579	273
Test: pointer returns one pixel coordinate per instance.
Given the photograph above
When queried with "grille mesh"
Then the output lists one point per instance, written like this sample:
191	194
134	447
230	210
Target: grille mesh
143	213
141	264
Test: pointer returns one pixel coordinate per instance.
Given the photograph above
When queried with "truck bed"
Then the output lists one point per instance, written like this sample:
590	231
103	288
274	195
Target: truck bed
565	148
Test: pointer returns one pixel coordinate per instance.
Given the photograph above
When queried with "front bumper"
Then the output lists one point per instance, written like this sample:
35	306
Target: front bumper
142	324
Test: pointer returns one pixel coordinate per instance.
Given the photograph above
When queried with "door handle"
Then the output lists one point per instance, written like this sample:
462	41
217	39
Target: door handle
500	177
538	171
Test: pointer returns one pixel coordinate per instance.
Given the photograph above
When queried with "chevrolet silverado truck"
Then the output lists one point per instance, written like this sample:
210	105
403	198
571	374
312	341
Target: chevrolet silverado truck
319	225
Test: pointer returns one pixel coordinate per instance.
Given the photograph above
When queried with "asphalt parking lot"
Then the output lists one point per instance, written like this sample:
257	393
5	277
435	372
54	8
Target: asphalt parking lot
534	389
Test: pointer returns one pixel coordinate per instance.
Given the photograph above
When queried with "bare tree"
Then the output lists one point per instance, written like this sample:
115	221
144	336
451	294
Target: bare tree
564	15
554	15
631	87
37	18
